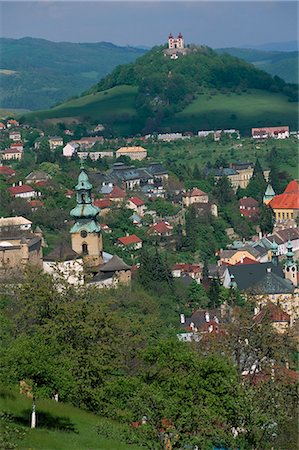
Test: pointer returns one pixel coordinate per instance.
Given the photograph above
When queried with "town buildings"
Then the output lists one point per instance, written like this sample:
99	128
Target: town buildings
138	152
281	132
286	205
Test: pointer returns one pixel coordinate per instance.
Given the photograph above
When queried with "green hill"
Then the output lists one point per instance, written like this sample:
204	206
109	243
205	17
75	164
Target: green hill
36	73
156	93
59	426
282	64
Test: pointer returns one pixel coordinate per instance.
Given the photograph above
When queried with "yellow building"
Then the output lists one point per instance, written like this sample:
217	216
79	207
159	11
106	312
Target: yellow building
138	153
286	205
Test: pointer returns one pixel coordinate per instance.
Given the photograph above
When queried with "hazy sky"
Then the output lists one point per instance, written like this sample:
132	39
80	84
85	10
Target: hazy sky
214	23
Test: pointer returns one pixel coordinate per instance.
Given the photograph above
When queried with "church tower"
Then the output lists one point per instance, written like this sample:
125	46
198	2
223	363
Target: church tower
86	233
290	267
274	252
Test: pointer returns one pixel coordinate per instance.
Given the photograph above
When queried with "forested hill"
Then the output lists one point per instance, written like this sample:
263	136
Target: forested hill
36	73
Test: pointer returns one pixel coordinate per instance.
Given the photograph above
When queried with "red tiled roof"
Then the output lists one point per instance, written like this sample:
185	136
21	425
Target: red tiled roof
12	150
248	202
128	240
195	192
137	201
247	261
293	186
20	189
116	192
5	170
40	183
161	227
274	312
285	201
36	203
102	203
188	268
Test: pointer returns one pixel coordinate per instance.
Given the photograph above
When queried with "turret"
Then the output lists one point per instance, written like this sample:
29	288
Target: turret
290	267
274	252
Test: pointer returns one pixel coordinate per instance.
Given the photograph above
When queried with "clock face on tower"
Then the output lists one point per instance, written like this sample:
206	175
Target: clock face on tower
83	233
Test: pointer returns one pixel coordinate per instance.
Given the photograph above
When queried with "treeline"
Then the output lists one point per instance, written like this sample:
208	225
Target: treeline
116	353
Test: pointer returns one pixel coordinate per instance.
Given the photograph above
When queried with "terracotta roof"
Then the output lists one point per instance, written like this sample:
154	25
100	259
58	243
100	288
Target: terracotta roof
128	240
137	201
289	199
20	189
5	170
248	202
161	227
293	186
116	192
102	203
36	203
195	192
12	150
246	261
188	268
131	150
274	312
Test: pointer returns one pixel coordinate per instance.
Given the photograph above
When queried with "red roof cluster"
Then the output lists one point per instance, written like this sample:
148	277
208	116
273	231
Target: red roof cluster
187	268
289	199
36	203
248	202
247	260
274	312
129	240
137	201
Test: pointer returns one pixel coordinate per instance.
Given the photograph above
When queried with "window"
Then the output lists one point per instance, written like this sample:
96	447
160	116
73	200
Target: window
84	249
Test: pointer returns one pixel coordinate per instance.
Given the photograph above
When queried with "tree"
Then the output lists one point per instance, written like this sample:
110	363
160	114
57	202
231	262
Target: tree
223	191
213	293
197	296
266	219
257	184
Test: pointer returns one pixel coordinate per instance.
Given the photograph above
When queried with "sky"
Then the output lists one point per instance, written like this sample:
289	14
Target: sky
148	23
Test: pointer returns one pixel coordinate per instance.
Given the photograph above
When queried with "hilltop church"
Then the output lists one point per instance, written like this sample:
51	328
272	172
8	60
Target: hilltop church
176	47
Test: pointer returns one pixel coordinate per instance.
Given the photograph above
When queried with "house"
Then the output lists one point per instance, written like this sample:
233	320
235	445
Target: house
137	205
12	123
55	141
23	191
280	320
116	194
286	205
11	153
112	273
161	229
95	155
17	146
17	223
158	171
281	132
193	270
239	174
136	220
138	153
69	149
194	195
132	241
104	204
249	207
37	176
64	261
36	204
233	256
105	228
88	142
15	136
203	322
7	171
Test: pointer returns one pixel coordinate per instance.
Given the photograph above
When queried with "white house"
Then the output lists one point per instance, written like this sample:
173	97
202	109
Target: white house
69	149
17	222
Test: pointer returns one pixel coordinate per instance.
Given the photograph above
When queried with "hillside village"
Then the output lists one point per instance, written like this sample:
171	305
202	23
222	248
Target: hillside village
214	213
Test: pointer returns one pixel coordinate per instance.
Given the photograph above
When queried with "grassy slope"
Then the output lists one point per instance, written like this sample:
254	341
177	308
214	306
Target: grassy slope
251	109
256	108
46	437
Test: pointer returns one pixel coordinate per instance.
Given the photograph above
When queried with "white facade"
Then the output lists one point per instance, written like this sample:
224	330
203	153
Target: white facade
71	271
69	149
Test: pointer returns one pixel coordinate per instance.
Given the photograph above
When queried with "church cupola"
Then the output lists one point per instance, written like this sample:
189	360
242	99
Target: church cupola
274	252
86	232
290	267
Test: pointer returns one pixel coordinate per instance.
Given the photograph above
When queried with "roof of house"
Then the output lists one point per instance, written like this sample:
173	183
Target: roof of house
114	264
248	202
38	175
136	149
20	189
286	234
289	199
5	170
129	240
247	260
188	268
116	192
14	221
274	312
102	203
11	151
136	200
247	248
62	252
255	278
36	203
55	138
199	317
195	192
161	227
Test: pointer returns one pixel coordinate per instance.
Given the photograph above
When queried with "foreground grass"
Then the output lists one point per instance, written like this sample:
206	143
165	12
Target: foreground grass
60	426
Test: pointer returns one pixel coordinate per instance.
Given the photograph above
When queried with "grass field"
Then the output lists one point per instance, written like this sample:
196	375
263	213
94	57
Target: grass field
60	426
102	106
250	109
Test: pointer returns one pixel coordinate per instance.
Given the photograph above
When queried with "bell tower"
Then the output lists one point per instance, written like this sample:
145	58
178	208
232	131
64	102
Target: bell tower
290	267
86	233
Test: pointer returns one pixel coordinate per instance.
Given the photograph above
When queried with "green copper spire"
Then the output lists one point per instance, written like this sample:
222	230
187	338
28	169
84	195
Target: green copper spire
290	254
85	213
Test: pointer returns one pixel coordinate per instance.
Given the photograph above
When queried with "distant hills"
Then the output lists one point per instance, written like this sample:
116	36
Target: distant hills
36	73
203	89
281	63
